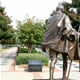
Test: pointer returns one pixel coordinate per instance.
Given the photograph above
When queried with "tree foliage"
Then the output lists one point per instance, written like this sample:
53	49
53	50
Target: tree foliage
30	31
6	30
74	16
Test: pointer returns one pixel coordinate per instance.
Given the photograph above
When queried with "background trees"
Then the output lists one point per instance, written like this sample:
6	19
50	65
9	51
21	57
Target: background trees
6	31
73	11
30	32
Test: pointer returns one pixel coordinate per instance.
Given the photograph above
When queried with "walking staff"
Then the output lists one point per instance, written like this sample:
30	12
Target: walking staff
78	46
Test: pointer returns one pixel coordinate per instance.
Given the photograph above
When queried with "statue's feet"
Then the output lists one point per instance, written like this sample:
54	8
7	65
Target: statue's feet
65	78
51	79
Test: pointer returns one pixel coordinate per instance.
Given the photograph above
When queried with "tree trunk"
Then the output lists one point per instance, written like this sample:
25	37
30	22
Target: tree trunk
29	48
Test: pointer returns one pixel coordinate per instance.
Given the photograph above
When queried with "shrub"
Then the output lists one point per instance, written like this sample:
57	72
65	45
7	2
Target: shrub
22	50
34	51
23	58
25	50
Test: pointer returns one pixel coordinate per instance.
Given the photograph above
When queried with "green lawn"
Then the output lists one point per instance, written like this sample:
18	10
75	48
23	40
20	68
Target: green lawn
1	50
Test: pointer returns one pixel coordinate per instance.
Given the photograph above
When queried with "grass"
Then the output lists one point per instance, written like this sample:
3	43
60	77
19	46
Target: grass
23	58
1	50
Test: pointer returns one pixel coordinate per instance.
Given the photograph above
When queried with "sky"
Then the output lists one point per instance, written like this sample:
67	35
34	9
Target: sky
19	9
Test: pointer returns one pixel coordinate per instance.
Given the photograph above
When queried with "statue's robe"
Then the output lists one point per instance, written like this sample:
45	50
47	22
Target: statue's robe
58	34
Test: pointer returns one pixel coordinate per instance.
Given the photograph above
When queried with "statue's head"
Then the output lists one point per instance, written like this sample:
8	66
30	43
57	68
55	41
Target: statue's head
60	7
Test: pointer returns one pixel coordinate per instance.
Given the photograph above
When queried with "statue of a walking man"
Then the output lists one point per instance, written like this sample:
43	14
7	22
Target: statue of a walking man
60	37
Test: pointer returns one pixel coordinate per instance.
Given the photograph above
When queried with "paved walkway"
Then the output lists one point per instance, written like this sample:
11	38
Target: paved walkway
35	76
7	62
44	75
7	59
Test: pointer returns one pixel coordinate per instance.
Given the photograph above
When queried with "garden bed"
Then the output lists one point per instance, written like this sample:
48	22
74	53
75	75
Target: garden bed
23	58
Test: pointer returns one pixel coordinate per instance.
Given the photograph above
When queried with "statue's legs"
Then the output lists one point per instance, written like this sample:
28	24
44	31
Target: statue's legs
53	56
64	66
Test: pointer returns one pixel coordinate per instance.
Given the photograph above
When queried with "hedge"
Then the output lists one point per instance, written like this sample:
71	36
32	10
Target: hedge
25	50
23	58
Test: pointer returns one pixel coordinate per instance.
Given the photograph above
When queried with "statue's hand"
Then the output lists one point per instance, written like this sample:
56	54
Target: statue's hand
43	49
64	37
72	38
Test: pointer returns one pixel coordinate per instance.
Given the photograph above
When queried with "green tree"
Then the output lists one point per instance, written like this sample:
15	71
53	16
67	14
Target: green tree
6	30
74	16
30	32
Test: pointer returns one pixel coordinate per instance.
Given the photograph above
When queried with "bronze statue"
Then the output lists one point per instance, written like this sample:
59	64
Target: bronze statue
60	37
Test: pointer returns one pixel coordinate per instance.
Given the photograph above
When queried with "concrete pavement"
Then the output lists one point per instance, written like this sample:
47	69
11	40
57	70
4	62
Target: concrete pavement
7	62
7	59
36	76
